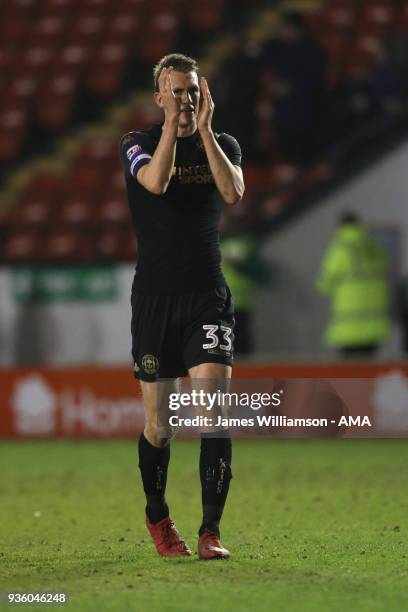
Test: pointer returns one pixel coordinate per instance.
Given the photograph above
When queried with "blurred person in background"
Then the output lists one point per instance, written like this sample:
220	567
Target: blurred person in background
298	66
244	272
353	276
402	307
386	85
370	91
239	80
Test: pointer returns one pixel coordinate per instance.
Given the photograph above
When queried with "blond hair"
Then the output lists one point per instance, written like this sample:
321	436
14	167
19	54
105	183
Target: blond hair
180	62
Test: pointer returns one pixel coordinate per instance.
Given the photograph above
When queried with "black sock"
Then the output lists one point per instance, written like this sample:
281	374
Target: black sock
215	476
153	464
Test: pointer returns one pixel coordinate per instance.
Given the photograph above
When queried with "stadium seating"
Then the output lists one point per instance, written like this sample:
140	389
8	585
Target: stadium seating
65	246
54	54
54	51
20	245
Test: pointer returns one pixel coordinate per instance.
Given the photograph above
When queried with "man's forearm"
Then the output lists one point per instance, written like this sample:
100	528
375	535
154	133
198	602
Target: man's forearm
156	175
227	177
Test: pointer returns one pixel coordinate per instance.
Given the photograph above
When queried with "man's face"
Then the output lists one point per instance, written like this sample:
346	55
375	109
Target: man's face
186	87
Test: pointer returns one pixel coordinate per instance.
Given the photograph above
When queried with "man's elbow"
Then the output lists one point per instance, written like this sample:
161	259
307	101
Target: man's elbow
158	189
234	198
232	201
151	182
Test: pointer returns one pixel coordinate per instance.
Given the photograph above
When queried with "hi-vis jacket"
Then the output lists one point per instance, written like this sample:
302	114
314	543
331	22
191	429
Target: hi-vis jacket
353	275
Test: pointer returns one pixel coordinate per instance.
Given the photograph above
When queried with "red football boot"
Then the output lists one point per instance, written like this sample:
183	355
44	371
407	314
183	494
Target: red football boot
167	539
210	547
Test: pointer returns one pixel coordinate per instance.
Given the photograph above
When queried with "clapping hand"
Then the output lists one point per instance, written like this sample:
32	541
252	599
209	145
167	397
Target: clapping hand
171	103
206	111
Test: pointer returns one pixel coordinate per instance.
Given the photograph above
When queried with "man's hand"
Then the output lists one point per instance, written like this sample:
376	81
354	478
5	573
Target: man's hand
206	111
171	104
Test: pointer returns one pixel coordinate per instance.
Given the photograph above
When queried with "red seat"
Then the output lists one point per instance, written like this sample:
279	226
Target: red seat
111	53
91	167
44	185
204	17
281	174
377	16
6	58
62	84
105	81
152	48
13	111
23	87
88	178
104	7
340	14
335	43
134	6
74	209
54	112
86	29
315	175
158	38
13	121
20	245
124	26
106	71
60	245
128	248
170	6
48	31
34	211
254	177
100	151
117	180
13	30
108	242
11	143
115	167
274	204
20	10
113	208
142	118
6	216
402	20
365	49
37	59
54	7
72	57
315	21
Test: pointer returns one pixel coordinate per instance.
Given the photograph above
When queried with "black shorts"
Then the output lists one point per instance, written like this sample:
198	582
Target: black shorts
172	333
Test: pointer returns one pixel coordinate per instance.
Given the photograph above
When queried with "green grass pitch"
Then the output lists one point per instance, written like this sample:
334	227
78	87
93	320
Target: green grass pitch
312	525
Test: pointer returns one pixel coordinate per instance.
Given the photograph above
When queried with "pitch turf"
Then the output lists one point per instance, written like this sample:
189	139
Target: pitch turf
312	525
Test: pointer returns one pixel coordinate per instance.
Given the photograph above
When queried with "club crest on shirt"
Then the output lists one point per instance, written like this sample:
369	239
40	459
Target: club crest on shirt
200	146
150	364
127	139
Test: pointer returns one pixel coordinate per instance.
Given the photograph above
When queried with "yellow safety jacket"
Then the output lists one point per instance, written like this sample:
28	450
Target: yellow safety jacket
236	252
241	286
353	274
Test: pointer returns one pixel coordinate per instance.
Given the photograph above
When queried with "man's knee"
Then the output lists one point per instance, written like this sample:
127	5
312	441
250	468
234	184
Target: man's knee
159	435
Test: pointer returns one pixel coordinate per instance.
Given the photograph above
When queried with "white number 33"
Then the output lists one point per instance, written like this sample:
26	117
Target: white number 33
212	335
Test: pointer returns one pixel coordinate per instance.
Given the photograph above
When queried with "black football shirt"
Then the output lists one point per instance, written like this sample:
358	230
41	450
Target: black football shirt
177	232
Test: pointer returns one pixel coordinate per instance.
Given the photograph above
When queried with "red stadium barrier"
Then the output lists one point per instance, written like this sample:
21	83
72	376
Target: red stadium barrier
92	402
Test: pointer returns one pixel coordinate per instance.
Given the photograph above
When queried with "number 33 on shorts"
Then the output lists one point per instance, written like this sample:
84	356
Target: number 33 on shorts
219	337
